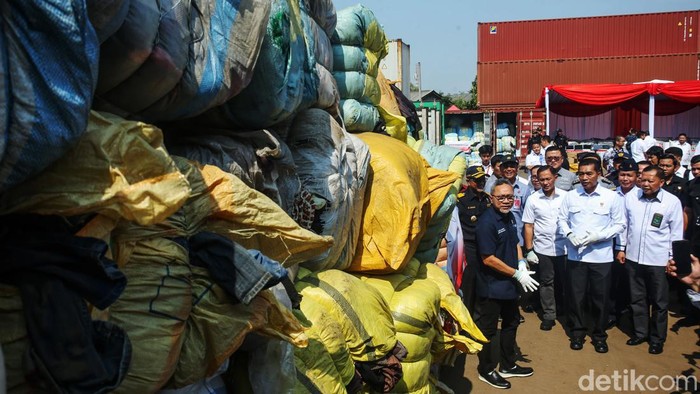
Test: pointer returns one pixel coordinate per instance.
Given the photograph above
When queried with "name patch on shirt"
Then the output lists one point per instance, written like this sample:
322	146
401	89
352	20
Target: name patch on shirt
656	220
501	231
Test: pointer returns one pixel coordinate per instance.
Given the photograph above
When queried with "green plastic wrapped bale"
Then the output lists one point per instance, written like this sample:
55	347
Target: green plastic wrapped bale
358	117
358	26
354	58
358	86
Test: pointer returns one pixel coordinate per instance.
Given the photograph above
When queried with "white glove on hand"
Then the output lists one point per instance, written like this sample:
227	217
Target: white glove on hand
590	238
575	240
532	257
522	265
525	279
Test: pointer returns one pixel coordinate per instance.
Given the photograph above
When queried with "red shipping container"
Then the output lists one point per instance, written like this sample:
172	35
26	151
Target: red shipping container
590	37
519	84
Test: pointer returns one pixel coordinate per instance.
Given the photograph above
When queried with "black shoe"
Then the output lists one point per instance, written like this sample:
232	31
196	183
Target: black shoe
611	323
656	348
516	372
634	341
547	325
600	346
528	308
495	380
576	344
522	319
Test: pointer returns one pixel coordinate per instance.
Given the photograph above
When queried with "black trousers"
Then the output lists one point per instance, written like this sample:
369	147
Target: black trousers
648	285
551	271
468	286
588	281
619	291
486	315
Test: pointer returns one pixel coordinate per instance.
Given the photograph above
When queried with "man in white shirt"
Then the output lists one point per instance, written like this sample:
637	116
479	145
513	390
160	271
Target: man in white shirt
627	175
485	155
509	170
590	216
544	245
640	145
536	156
680	171
654	220
686	148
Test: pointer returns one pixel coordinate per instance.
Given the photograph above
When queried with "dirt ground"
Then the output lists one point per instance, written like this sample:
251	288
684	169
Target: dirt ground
559	369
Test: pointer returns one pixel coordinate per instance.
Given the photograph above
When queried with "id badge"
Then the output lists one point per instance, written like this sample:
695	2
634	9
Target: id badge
516	203
656	220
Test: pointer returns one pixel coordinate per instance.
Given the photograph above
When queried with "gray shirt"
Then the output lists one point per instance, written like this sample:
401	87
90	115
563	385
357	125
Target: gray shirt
565	180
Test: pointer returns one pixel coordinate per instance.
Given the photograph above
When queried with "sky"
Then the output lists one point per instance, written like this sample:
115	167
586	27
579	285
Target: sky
442	33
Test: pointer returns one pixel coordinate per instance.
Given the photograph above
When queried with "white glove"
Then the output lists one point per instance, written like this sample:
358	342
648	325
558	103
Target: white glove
590	238
522	265
525	279
575	239
532	257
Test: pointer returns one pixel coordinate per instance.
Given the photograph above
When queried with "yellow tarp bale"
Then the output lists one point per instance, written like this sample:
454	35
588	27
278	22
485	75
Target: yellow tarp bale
118	168
325	365
415	307
452	303
415	380
181	324
153	310
361	311
395	212
253	220
389	110
217	327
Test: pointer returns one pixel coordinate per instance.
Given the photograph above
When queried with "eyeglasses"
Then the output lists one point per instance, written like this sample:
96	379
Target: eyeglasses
553	158
509	197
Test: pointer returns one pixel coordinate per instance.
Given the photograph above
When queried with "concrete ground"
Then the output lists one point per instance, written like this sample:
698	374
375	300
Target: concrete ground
559	369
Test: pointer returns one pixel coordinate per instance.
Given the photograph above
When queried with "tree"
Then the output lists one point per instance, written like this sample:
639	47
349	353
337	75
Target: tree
472	103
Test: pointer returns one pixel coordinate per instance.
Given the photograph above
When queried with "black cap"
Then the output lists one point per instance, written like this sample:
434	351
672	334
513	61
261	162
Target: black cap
619	156
475	172
509	161
628	165
586	155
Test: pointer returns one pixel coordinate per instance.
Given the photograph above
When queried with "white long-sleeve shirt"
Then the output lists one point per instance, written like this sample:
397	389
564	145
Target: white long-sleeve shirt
541	211
651	227
600	213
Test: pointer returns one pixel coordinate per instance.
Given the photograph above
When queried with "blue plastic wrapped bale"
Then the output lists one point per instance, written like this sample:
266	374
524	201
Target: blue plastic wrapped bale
223	47
284	79
323	12
353	58
328	96
48	74
106	16
162	69
331	168
358	26
358	117
323	50
429	245
358	86
129	47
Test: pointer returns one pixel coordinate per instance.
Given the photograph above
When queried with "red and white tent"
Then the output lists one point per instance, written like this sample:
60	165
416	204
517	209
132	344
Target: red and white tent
654	97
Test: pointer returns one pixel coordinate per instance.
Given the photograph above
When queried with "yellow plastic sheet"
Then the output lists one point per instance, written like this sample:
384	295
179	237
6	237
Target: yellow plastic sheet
395	212
119	169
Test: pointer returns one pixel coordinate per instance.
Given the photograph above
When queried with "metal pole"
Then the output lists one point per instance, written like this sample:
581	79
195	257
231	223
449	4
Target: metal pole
546	106
652	109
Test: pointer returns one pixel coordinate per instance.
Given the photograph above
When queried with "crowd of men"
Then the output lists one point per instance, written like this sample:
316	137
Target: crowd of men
594	244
